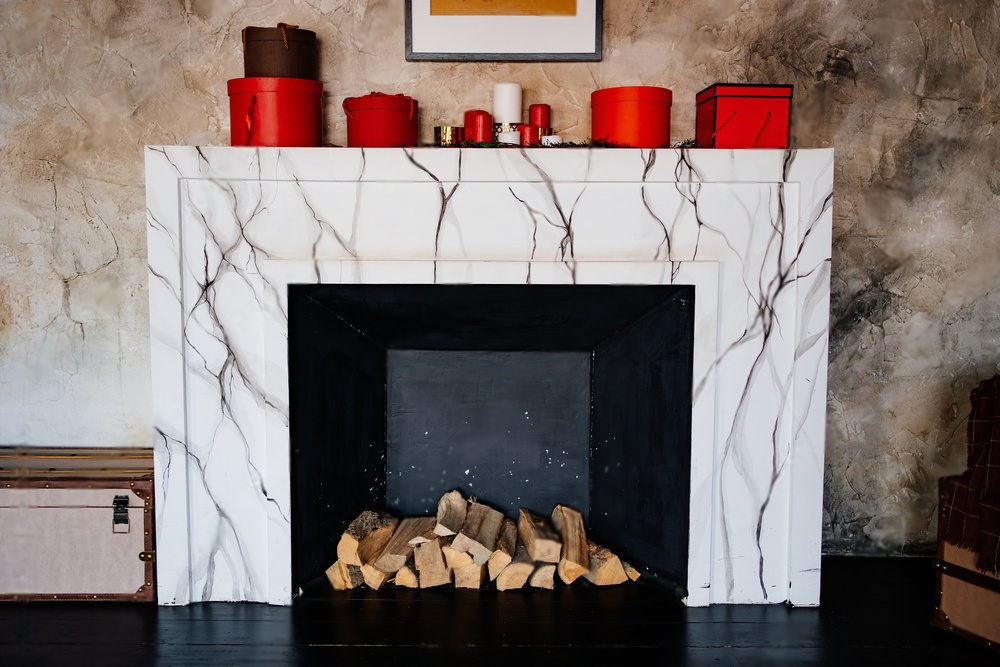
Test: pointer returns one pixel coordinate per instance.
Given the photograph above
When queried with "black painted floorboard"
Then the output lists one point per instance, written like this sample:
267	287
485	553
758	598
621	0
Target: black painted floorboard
874	612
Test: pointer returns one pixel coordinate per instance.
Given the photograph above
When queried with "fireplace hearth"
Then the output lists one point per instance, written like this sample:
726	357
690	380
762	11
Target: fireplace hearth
241	240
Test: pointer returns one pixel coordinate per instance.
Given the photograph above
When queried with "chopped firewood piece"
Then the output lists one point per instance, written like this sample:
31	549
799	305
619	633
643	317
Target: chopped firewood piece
575	561
352	575
478	535
427	556
539	539
470	576
450	514
543	576
455	558
605	568
506	543
374	577
406	576
336	576
630	571
435	578
516	574
428	533
398	548
365	538
430	564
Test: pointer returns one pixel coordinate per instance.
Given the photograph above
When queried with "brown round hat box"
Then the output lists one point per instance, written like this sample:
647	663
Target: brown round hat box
284	51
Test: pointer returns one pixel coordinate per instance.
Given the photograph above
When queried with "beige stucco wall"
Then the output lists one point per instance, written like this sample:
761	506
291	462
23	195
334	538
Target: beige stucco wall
905	91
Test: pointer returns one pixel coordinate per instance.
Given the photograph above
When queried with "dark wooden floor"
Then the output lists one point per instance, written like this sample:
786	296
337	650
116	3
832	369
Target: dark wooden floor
874	612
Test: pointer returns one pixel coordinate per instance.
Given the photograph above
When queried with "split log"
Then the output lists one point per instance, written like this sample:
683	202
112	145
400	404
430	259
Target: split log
631	572
539	539
516	574
470	576
399	548
336	577
506	543
365	538
456	559
575	560
374	577
605	567
451	513
351	575
406	576
432	569
478	535
543	576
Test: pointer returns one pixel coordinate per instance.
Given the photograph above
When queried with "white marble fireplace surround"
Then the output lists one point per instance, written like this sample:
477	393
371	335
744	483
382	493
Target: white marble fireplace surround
230	228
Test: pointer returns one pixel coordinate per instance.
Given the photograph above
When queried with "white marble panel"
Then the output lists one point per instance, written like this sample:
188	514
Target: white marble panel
231	228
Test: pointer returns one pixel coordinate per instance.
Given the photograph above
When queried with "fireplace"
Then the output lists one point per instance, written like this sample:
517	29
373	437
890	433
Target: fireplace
588	277
519	395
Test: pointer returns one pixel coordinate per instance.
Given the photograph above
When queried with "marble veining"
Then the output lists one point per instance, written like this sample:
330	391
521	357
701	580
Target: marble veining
230	228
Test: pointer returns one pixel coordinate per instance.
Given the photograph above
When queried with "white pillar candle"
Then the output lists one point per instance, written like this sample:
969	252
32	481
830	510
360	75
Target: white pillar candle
507	103
509	138
551	140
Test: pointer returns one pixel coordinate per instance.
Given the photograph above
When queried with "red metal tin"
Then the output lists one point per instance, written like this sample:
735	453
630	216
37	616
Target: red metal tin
744	116
631	116
378	120
478	125
275	111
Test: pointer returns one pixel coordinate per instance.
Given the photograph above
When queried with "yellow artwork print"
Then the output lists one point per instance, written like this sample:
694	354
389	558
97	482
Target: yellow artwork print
503	7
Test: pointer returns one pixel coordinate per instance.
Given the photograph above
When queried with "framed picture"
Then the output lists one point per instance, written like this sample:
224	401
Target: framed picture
512	30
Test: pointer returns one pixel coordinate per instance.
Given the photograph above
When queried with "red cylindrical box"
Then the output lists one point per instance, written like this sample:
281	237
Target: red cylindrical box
378	120
540	115
744	116
636	116
478	125
275	111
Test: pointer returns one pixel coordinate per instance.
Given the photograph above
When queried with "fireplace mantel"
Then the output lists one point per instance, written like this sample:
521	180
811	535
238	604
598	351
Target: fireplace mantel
230	228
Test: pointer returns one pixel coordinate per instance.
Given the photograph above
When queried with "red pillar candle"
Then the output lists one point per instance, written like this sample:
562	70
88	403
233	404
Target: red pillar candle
540	115
478	126
530	135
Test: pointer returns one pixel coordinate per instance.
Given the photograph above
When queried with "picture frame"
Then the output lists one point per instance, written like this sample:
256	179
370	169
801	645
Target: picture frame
471	30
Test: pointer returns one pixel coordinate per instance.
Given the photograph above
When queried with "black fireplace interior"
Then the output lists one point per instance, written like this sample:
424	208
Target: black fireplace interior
518	395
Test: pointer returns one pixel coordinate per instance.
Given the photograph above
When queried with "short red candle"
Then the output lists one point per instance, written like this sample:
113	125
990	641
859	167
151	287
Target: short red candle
540	115
478	126
530	135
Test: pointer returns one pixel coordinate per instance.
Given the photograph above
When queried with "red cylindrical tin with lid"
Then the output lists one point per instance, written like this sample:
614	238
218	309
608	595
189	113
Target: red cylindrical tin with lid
275	111
378	120
636	116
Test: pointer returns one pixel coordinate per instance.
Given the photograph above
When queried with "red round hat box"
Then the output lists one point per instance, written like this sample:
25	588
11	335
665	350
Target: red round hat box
378	120
636	116
275	111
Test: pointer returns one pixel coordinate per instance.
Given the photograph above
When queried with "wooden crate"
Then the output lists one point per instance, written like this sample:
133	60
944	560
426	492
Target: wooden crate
967	600
76	525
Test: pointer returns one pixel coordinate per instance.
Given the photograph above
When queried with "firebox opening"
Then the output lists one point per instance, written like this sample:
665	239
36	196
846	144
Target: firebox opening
519	395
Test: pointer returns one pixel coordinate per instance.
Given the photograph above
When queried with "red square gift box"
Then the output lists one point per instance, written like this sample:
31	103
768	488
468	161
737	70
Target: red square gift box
744	116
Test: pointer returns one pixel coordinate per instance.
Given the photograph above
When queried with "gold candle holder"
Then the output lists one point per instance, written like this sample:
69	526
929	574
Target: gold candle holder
449	135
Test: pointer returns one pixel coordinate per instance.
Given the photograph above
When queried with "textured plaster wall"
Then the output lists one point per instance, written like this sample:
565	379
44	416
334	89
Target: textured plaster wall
905	91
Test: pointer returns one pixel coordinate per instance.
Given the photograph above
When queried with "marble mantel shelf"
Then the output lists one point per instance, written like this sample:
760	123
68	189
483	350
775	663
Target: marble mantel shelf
230	228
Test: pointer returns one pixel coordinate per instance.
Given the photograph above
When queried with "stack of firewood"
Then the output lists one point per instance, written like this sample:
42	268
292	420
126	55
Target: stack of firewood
468	541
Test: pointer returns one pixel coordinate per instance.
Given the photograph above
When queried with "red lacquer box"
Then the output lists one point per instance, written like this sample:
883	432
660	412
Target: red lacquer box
744	116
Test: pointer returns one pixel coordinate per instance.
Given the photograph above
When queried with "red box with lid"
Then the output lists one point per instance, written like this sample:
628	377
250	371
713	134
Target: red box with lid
744	115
